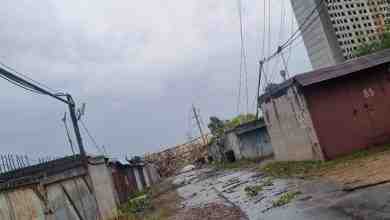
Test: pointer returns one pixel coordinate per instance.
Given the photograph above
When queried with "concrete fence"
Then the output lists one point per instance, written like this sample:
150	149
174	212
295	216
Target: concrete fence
68	189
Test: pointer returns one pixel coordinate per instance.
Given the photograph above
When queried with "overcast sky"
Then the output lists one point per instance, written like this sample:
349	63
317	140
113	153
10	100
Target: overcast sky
139	65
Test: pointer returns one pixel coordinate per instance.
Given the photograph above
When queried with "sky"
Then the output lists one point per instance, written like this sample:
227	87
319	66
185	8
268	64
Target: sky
138	66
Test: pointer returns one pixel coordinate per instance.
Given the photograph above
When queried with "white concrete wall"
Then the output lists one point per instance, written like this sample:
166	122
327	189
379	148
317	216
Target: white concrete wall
103	188
290	127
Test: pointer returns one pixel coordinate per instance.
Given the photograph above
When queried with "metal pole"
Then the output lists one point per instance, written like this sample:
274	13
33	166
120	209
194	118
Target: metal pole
72	111
258	88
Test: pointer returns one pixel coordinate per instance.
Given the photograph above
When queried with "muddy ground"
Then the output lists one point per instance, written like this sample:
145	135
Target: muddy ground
222	195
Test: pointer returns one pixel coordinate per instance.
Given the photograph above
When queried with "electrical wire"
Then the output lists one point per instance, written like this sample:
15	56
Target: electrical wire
301	29
27	85
64	120
292	30
244	54
27	77
269	43
303	24
17	82
21	86
243	63
91	137
282	20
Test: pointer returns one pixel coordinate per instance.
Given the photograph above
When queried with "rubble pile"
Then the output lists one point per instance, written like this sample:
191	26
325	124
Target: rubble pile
174	159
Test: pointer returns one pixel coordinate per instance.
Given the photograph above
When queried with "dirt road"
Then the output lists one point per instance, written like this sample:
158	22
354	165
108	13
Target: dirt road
223	195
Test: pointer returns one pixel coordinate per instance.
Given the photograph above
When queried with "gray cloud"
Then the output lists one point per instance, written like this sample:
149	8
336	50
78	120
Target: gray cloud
138	66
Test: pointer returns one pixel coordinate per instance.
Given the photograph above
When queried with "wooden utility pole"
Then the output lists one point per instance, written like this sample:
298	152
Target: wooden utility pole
196	116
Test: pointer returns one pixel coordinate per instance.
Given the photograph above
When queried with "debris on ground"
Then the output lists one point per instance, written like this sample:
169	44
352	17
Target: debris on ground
230	188
282	190
211	211
187	168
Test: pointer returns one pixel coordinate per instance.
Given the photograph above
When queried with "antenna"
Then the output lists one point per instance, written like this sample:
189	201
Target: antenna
81	111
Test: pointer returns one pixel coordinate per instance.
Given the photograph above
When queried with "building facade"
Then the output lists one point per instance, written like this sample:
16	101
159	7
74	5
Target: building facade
332	111
338	27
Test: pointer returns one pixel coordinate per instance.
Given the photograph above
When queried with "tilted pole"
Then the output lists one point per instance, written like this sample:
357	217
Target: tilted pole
72	111
199	126
258	88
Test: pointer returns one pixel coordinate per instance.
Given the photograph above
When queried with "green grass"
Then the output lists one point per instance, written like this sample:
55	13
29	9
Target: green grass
291	168
268	182
253	191
240	164
285	199
282	169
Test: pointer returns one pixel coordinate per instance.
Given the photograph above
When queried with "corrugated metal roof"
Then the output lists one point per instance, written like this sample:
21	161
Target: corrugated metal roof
332	72
277	90
343	69
247	127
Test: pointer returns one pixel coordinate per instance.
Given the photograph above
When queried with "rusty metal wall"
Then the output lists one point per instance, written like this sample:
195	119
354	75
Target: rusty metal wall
153	173
351	113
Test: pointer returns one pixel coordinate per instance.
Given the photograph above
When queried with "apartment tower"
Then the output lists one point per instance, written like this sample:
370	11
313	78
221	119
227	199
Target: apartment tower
338	27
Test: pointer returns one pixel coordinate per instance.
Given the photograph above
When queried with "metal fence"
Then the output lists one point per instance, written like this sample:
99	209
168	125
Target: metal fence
11	162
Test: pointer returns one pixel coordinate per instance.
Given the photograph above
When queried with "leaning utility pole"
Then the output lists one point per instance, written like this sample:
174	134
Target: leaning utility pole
69	101
72	110
261	64
196	116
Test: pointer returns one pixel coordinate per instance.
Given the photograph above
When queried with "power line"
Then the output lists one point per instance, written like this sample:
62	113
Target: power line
25	84
90	136
64	120
301	29
21	86
243	62
292	30
269	33
282	20
303	23
27	77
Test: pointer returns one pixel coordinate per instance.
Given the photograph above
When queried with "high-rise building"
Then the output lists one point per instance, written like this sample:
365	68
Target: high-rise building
338	27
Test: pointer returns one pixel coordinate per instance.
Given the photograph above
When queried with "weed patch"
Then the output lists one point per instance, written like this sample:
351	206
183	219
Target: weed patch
315	168
240	164
285	199
253	191
291	168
